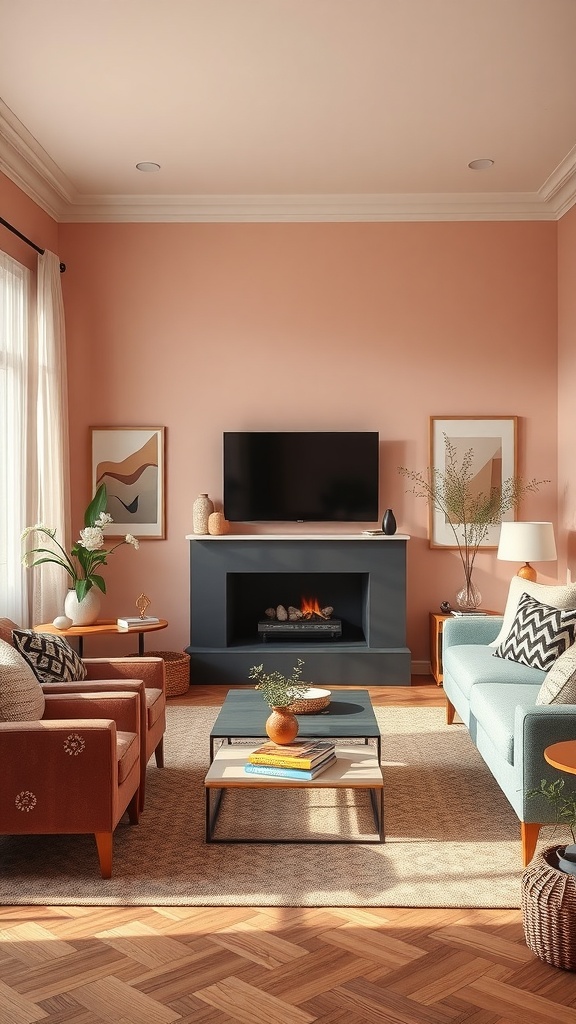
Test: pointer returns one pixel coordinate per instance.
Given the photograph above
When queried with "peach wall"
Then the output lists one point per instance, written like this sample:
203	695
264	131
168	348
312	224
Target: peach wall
204	328
566	382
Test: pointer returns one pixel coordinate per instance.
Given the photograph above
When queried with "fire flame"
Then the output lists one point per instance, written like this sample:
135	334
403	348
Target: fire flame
309	606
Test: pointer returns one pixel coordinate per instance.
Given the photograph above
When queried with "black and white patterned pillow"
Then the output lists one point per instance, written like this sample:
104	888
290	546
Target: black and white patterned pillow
51	658
539	634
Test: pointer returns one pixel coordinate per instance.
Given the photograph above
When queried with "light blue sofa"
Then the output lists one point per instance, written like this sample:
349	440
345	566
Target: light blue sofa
496	699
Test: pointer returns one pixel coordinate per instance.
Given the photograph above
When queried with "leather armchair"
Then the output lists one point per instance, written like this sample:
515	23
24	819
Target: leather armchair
76	770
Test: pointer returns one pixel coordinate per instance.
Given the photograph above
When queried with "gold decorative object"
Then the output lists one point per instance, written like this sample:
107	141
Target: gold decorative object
142	604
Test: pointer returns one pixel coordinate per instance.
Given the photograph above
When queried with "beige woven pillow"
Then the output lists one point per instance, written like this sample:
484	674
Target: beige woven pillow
559	686
21	696
557	596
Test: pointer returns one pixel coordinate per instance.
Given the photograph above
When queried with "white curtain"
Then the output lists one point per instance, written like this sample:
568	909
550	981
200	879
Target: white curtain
52	473
16	437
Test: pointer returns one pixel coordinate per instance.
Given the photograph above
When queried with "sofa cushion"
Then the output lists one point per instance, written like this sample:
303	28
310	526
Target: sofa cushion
494	708
539	634
470	664
559	686
555	596
21	696
51	658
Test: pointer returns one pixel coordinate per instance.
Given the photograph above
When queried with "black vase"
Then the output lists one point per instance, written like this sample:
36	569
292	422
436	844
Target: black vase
389	522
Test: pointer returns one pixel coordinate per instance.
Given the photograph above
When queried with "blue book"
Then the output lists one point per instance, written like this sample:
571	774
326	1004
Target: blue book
306	775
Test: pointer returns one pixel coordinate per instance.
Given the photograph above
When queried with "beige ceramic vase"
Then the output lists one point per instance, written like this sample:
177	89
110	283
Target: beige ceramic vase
201	512
281	725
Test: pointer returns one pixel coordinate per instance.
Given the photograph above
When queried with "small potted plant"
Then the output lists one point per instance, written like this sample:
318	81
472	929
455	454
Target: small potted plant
549	887
279	691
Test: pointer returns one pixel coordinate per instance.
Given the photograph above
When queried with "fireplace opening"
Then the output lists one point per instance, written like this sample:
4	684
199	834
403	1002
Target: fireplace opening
309	621
304	607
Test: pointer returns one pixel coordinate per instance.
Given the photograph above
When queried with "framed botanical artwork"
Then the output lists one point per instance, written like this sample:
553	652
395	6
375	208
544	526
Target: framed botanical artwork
483	449
130	461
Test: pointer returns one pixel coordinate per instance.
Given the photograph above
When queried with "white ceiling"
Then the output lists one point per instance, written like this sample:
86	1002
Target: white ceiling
290	109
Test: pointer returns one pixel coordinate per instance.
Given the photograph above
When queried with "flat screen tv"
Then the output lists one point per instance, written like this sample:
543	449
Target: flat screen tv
301	476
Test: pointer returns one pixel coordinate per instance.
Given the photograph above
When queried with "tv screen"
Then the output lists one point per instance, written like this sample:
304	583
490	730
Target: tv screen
301	476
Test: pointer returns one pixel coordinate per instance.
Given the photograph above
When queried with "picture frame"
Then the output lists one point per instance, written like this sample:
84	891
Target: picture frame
493	440
130	461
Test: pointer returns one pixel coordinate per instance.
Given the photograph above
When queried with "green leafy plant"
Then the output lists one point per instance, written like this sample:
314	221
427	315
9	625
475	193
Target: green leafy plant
277	689
88	554
469	512
564	803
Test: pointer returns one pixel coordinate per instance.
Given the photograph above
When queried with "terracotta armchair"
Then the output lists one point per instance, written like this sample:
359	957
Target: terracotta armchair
147	676
76	770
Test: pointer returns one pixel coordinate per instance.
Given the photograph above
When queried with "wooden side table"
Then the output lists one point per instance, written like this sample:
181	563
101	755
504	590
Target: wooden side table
437	620
105	627
562	755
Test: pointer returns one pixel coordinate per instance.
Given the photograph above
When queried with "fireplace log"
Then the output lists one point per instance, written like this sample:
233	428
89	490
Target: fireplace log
294	613
281	613
327	611
270	613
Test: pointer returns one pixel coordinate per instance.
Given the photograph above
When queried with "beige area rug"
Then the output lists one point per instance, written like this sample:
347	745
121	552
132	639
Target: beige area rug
452	839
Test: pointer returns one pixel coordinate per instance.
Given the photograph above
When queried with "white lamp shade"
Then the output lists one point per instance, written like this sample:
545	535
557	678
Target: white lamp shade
527	542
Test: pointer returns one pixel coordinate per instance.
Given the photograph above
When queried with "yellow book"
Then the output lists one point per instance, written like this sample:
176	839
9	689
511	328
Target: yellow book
292	755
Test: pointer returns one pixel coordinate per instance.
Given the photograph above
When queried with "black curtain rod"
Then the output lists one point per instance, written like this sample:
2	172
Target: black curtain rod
27	240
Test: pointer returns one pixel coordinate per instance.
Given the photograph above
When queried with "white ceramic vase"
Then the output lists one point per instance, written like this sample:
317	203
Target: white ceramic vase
84	612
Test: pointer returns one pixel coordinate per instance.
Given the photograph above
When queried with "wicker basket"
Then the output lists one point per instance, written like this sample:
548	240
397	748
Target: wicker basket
311	705
177	665
549	911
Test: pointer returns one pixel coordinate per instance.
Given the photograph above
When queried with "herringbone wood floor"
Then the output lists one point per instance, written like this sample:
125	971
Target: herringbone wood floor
86	965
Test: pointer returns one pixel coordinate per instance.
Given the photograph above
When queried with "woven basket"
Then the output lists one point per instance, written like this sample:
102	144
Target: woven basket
177	670
311	705
549	911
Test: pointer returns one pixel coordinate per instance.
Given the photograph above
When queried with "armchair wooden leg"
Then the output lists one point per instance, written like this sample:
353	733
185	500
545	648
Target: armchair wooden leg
450	712
159	754
104	844
529	835
134	808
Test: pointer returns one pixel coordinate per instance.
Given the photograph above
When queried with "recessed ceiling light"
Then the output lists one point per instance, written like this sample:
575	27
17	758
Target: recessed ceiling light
147	165
481	165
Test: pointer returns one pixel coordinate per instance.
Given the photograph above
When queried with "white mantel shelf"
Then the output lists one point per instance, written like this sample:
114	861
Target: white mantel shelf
298	536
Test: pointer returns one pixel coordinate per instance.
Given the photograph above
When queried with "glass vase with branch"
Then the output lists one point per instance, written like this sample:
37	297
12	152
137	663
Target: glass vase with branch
468	511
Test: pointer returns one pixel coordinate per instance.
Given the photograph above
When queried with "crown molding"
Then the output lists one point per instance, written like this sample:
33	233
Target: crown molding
308	208
24	161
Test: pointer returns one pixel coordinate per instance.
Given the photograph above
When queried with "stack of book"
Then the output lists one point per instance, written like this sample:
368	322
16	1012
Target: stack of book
303	760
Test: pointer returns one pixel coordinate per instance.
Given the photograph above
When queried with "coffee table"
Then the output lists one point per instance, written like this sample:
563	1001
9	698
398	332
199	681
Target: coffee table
349	716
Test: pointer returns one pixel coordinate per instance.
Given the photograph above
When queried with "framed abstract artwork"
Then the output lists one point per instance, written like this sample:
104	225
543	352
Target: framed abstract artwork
489	443
130	461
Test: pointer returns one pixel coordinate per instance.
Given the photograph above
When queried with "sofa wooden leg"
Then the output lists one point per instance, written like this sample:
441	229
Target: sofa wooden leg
529	835
104	844
159	754
450	712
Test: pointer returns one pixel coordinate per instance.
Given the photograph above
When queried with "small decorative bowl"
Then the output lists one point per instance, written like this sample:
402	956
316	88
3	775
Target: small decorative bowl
313	701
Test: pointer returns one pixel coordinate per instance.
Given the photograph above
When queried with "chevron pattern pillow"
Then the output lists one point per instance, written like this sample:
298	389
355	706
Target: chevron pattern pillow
51	658
539	634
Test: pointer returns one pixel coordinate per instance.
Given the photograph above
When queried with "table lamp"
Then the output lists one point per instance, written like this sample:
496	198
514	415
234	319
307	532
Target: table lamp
527	542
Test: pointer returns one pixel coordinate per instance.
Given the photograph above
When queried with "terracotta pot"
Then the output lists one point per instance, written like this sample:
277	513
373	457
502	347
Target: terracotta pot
282	725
